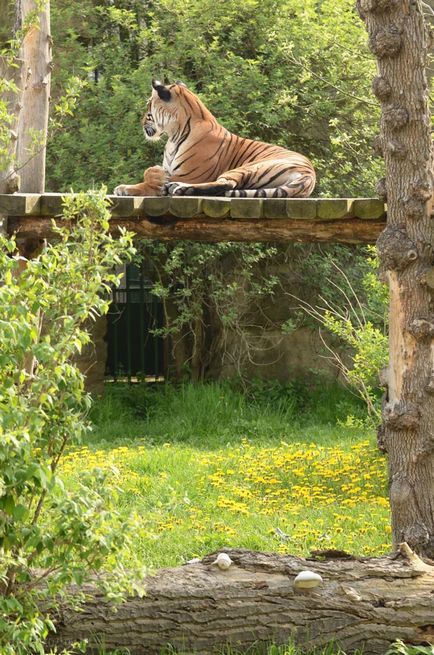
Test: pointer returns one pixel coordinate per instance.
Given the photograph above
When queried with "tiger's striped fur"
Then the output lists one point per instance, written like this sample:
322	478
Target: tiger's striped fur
203	158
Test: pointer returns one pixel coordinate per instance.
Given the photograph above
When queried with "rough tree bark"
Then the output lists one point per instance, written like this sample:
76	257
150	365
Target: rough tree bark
361	604
399	39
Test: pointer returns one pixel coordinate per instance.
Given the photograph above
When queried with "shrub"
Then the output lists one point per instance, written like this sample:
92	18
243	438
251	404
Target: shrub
51	537
400	648
359	321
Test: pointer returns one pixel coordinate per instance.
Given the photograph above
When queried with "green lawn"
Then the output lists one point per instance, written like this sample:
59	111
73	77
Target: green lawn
207	466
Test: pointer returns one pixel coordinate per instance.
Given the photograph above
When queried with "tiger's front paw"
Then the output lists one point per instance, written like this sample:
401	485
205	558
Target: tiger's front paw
154	181
122	190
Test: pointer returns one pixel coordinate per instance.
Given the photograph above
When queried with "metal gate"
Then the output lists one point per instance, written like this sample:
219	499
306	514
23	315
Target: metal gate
133	351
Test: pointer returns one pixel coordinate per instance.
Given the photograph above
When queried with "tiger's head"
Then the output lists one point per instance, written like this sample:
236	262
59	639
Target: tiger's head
170	107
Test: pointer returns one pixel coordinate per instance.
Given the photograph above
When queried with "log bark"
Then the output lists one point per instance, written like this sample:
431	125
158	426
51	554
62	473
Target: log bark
29	108
361	604
398	37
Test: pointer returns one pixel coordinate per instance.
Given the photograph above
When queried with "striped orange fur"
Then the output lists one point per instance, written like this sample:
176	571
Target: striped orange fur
203	158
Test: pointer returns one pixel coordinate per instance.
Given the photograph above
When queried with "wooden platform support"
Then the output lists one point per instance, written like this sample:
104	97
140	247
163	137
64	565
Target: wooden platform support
339	220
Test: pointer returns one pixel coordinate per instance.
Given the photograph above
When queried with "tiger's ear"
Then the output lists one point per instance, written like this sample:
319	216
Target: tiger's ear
179	83
163	93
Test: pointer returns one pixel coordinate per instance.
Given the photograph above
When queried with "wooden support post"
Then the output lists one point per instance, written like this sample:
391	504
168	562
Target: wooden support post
33	121
33	117
12	73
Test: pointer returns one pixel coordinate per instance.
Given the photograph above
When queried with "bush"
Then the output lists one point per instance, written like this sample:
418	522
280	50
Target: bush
51	537
360	322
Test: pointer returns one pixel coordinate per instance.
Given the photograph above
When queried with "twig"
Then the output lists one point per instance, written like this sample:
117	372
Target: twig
330	84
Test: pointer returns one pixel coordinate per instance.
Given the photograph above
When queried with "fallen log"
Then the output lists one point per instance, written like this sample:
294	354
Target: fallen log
360	604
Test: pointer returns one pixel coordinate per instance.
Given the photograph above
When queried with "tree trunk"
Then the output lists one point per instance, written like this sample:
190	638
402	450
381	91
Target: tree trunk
398	37
197	363
361	604
33	123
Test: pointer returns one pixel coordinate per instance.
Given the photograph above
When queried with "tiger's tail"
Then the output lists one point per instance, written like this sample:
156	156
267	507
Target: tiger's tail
300	188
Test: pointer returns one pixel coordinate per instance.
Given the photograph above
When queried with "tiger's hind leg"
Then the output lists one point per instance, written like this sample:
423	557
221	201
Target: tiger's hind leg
301	187
217	188
266	179
275	179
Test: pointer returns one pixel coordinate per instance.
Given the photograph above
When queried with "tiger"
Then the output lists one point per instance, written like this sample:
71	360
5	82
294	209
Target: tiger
202	158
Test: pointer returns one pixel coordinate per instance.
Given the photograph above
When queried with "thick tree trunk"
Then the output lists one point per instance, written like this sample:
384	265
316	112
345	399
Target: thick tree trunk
33	123
398	38
361	604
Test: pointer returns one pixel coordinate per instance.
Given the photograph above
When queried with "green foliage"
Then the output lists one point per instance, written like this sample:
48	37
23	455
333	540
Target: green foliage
360	322
296	74
290	648
49	536
369	345
273	649
209	291
215	413
400	648
220	298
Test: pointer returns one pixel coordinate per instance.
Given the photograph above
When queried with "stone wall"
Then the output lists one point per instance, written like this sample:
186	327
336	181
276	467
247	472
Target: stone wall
282	357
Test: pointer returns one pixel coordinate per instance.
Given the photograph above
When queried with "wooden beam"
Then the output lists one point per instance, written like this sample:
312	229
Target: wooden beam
203	228
50	204
339	220
20	204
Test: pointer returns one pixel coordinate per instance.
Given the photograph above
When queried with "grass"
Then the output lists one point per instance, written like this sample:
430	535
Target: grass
211	415
397	648
285	649
272	649
207	466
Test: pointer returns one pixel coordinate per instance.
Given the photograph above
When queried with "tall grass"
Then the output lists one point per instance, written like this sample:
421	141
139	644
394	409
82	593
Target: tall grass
272	649
213	414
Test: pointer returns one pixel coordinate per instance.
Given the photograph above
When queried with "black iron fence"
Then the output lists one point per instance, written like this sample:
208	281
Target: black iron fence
134	352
